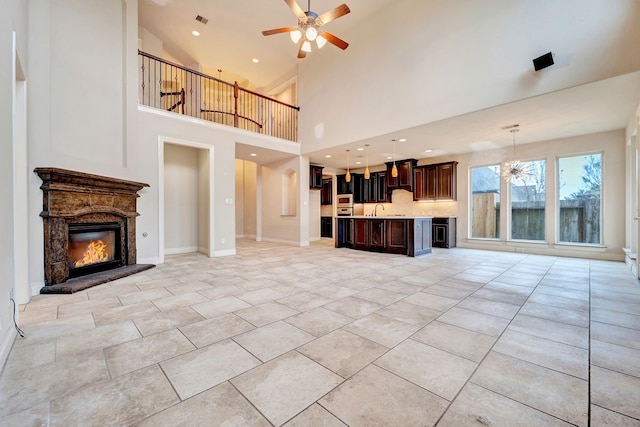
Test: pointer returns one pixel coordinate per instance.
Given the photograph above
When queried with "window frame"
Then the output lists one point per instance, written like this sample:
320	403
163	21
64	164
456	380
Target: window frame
509	185
470	203
557	201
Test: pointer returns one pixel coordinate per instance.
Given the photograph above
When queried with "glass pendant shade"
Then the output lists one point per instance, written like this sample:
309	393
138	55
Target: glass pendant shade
311	33
306	46
367	174
295	35
394	171
514	170
347	178
321	41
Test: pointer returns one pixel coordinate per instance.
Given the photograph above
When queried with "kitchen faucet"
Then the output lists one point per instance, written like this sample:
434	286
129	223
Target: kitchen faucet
375	209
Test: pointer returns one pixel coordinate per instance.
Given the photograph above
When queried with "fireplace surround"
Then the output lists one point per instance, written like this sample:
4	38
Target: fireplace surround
89	229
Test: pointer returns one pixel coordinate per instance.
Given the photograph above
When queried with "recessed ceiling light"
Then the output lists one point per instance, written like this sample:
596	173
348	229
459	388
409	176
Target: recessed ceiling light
360	149
328	156
195	33
389	157
402	139
255	60
358	163
253	154
428	151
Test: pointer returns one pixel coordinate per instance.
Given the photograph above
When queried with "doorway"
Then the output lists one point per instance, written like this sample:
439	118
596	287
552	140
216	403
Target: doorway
186	207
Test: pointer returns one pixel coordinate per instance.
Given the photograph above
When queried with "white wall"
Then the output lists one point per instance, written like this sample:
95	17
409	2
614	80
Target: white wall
288	229
246	202
13	39
204	205
181	199
455	57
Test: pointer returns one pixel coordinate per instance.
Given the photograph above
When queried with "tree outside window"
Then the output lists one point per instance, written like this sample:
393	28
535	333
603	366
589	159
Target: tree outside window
580	199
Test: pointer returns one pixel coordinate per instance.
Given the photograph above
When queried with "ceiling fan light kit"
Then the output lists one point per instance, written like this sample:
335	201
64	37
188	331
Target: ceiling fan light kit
308	28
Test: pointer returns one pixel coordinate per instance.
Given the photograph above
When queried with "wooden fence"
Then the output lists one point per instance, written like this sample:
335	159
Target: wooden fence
579	220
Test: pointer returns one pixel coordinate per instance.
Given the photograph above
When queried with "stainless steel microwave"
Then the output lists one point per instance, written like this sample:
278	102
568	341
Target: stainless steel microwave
345	200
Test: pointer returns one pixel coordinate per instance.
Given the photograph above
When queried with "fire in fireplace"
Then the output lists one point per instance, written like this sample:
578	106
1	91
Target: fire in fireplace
94	247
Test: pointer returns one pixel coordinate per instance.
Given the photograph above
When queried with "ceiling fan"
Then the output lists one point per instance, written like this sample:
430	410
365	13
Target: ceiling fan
308	28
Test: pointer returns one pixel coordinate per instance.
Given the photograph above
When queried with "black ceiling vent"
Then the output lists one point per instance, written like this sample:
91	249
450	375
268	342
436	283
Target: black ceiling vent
202	19
543	61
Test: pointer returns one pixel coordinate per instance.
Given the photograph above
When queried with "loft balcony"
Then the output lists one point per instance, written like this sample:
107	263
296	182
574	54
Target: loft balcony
172	87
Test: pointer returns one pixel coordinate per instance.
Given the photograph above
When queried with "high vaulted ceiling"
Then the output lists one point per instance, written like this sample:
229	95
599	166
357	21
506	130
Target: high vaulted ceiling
232	38
233	35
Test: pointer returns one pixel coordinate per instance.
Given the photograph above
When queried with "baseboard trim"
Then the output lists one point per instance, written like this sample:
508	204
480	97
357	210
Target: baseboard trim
7	343
286	242
226	252
177	251
148	260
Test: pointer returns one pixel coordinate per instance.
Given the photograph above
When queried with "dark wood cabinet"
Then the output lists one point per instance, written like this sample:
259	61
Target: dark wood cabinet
326	226
444	233
358	181
374	189
446	181
411	236
404	180
382	191
396	236
361	234
315	177
376	234
436	182
344	232
326	192
344	187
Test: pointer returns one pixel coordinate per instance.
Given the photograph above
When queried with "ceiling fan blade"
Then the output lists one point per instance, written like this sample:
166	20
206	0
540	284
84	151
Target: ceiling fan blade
336	13
333	39
296	9
301	53
278	31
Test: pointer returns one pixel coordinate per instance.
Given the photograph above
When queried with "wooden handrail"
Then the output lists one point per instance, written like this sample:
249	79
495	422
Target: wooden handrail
199	94
197	73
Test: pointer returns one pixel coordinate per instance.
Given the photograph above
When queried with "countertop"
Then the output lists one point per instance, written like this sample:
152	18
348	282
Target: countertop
382	217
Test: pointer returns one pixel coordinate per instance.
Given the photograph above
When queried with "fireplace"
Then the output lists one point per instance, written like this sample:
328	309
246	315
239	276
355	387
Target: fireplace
93	248
89	229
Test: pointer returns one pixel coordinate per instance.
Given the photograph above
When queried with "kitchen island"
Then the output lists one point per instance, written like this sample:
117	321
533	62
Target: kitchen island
392	234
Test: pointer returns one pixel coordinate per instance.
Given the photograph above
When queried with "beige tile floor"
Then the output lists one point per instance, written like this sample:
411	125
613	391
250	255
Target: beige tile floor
319	336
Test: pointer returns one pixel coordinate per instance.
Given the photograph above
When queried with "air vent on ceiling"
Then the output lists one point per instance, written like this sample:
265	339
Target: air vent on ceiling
202	19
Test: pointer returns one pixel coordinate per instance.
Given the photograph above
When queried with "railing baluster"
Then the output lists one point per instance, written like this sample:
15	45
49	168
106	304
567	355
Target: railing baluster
172	87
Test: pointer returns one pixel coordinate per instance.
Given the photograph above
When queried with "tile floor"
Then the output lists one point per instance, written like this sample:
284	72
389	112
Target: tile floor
319	336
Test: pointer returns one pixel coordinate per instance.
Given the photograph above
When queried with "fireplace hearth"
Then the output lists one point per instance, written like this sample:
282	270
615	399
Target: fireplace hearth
89	229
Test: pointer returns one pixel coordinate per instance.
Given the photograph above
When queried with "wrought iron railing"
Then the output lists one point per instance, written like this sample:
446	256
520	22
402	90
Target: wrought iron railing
172	87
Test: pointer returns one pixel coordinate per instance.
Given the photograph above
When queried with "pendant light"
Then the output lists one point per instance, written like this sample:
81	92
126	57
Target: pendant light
367	174
347	178
514	169
394	169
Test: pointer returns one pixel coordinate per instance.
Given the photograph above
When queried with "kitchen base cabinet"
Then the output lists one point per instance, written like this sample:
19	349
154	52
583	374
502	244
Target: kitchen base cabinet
420	239
396	239
444	233
344	232
326	226
406	236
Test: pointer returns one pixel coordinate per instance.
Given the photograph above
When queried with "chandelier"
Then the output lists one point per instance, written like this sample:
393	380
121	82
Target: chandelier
514	170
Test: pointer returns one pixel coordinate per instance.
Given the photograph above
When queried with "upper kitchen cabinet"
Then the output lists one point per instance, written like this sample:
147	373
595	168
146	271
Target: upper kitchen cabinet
404	180
325	194
344	187
435	182
315	177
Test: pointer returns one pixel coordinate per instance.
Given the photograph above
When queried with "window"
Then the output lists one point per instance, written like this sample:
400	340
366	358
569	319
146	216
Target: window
580	198
485	202
528	203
